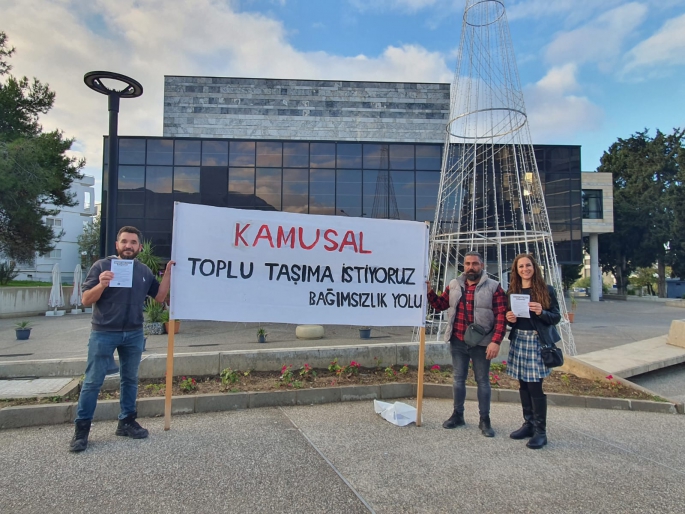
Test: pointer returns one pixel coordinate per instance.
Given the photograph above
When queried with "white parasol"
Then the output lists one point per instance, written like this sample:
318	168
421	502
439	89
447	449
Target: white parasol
76	295
56	295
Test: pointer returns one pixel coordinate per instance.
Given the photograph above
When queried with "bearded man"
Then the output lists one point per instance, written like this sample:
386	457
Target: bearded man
476	306
117	324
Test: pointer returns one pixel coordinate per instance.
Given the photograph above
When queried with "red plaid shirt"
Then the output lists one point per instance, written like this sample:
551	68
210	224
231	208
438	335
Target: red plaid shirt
464	317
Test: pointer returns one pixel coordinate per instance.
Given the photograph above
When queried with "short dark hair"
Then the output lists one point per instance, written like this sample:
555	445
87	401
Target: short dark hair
131	230
477	254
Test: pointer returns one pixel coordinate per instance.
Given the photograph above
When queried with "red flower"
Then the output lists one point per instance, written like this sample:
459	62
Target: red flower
435	367
610	377
284	369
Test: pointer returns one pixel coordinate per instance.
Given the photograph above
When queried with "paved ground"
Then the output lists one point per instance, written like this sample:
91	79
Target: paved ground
669	382
345	458
598	326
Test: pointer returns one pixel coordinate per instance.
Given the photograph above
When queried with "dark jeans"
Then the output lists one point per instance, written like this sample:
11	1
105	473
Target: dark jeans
101	346
461	355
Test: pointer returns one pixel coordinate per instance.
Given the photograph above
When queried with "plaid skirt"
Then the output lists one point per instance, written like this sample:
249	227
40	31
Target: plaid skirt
525	362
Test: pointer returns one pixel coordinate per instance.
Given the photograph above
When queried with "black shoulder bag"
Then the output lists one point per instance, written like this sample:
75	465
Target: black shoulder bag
474	333
552	356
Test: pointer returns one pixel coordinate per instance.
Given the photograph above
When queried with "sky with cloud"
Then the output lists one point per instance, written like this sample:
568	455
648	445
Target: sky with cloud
591	70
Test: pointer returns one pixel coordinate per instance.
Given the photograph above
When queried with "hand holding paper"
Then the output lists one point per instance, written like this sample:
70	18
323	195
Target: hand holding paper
519	305
123	273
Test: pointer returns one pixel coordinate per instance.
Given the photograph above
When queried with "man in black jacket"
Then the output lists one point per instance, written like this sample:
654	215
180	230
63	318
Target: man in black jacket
117	324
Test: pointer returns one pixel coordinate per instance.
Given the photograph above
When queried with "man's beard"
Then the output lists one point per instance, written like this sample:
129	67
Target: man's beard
473	275
130	255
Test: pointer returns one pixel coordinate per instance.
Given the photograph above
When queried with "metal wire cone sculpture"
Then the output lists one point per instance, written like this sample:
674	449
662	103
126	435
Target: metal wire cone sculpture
490	198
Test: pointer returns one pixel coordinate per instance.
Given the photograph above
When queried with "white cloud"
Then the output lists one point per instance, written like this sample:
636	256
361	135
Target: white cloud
575	9
555	112
147	40
600	40
408	6
664	49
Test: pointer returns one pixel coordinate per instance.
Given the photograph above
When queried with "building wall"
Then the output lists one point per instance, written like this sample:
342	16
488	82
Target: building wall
252	108
603	182
72	222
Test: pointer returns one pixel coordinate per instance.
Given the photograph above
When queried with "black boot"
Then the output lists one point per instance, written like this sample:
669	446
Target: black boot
129	427
540	421
80	440
485	427
456	420
527	429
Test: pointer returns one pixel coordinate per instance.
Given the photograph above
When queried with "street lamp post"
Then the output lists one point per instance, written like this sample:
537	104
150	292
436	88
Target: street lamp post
133	89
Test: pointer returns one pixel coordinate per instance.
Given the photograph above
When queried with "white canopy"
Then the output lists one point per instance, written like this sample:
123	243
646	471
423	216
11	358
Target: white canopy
56	295
77	293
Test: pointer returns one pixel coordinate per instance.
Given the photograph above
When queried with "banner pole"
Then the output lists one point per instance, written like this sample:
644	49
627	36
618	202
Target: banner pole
419	387
169	374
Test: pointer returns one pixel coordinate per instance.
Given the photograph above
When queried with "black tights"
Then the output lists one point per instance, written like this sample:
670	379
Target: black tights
533	388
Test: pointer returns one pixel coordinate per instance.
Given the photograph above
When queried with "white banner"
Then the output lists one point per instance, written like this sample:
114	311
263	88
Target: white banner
240	265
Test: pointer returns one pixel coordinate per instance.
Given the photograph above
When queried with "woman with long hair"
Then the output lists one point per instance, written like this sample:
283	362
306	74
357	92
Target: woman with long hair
526	339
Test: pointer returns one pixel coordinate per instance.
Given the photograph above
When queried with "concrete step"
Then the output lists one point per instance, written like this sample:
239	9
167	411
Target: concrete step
636	358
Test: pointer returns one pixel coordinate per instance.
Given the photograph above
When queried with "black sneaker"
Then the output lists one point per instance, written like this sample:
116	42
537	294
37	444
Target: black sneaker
80	440
456	420
129	427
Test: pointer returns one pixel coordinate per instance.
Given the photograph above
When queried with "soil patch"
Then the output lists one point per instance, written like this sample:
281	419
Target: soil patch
289	378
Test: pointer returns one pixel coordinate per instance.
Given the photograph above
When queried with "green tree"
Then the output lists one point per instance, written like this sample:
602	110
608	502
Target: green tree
89	243
644	277
646	175
569	274
35	172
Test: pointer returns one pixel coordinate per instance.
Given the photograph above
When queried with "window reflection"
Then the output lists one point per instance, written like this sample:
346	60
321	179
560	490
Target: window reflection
322	155
348	192
131	192
268	189
158	188
269	153
295	190
242	153
369	191
215	153
214	185
241	187
322	192
376	157
131	151
428	157
401	157
187	184
403	187
296	155
427	185
349	155
160	151
187	153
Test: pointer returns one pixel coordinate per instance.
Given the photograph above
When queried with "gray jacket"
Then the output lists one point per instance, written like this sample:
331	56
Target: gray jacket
482	300
120	309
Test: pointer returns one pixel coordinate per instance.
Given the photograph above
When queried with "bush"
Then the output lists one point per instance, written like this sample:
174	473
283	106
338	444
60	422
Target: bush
8	272
154	311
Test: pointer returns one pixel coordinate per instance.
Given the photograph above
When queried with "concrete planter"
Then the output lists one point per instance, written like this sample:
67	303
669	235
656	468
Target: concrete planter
23	333
364	333
154	329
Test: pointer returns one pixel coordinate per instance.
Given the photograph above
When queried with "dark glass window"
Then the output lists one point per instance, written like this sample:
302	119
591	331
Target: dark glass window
125	221
427	186
401	157
349	155
322	192
348	192
369	194
295	155
322	155
160	151
159	203
403	187
241	153
241	187
105	149
269	154
215	153
592	204
295	190
131	151
187	153
375	157
159	233
131	192
187	184
268	189
428	157
214	186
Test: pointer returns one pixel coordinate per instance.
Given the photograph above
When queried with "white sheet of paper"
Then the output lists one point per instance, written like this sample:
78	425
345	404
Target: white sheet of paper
519	305
123	273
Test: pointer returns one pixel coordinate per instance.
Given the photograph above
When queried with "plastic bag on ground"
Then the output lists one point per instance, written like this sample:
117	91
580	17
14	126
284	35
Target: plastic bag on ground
397	413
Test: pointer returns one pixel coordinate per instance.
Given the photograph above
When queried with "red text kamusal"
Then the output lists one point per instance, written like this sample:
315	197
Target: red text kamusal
283	237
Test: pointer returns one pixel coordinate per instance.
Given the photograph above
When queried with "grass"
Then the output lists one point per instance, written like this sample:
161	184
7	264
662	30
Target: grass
28	283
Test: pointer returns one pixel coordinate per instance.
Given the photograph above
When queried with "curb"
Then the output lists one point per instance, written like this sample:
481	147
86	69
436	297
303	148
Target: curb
107	410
